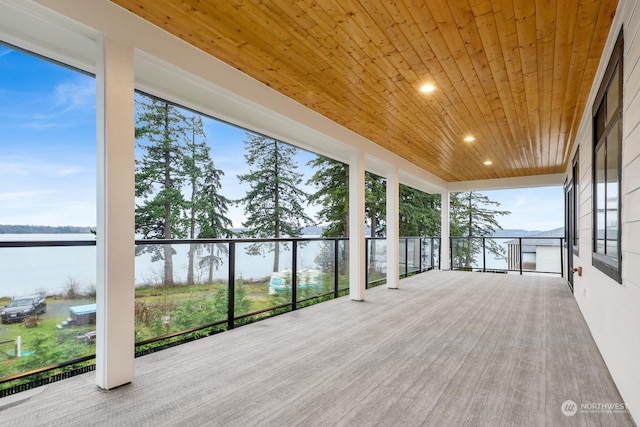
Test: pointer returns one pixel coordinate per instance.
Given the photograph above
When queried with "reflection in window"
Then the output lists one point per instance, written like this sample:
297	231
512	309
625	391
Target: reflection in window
607	125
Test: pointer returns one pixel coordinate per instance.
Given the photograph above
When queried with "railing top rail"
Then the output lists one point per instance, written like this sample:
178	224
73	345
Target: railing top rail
510	237
236	240
49	243
45	243
404	237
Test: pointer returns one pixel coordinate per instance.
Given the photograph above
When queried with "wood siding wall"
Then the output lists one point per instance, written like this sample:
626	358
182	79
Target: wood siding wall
612	310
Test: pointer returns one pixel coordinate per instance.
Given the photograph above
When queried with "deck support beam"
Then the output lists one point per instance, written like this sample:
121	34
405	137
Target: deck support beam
115	215
393	227
445	262
357	245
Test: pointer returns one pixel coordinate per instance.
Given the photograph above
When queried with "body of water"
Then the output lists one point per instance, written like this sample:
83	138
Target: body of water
25	271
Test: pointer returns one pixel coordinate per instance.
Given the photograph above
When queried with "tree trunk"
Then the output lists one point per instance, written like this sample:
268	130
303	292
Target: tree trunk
345	231
211	263
192	218
276	213
468	258
168	252
372	234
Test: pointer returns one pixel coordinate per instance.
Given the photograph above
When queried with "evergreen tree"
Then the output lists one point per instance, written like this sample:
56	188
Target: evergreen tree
375	188
331	179
160	174
419	212
376	213
472	217
207	208
274	205
212	220
196	155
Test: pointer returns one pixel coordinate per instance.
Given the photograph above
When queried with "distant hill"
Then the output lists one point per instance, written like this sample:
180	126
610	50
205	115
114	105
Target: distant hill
515	233
43	229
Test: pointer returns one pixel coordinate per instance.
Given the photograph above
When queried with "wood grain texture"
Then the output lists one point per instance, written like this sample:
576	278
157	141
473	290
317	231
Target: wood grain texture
514	73
446	349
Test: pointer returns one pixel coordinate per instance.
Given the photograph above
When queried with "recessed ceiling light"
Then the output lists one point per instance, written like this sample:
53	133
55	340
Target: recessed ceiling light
488	163
427	88
469	138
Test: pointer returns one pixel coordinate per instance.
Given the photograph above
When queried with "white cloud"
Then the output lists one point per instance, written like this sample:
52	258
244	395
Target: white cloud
76	94
23	196
70	170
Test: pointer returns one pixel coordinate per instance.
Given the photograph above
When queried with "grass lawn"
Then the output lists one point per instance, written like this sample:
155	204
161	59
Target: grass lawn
158	310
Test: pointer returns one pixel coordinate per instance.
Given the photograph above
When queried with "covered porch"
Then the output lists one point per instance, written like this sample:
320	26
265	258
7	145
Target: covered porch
446	348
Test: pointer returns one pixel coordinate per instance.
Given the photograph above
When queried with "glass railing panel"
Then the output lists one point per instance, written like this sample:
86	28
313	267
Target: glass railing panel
495	255
179	286
427	259
508	254
377	261
413	255
48	314
534	254
263	276
435	247
315	268
343	265
462	251
402	257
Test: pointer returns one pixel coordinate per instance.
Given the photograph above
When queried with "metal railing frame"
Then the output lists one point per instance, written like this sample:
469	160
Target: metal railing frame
421	268
231	321
520	268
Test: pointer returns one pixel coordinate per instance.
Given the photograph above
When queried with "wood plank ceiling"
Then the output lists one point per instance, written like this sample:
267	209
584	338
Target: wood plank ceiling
514	74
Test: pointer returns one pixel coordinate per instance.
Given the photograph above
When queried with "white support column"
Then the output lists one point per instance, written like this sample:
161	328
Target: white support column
116	215
393	227
445	263
357	245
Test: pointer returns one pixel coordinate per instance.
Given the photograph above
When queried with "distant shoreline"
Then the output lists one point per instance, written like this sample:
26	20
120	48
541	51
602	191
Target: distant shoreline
44	229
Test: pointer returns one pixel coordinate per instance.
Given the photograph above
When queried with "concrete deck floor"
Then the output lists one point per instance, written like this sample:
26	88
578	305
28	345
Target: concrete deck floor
447	349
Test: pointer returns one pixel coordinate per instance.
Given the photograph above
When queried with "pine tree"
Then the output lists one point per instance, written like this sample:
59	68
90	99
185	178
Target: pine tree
472	217
160	174
212	220
375	188
419	212
207	208
331	179
376	213
274	205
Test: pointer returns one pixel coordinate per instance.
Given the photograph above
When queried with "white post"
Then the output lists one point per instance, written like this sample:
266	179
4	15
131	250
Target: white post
18	346
393	228
115	216
445	263
357	246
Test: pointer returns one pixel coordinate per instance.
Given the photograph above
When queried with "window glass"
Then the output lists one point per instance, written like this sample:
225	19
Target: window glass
607	145
613	95
599	123
600	199
576	204
612	186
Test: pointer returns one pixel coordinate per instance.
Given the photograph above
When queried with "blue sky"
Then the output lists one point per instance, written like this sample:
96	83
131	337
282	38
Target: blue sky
539	208
47	131
48	154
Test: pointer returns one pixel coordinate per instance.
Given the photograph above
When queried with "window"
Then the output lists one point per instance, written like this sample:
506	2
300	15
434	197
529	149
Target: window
572	204
607	171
